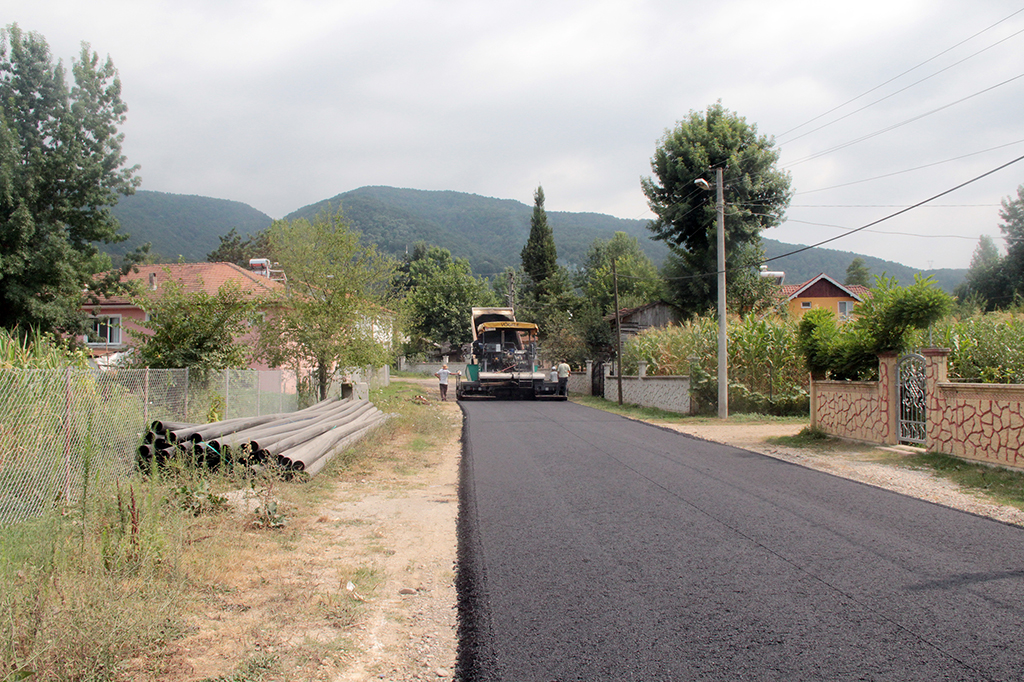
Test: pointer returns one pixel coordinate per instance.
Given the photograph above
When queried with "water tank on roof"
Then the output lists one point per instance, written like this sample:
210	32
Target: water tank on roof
261	266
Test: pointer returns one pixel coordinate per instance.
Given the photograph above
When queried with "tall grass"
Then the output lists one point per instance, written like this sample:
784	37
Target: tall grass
766	373
33	350
84	589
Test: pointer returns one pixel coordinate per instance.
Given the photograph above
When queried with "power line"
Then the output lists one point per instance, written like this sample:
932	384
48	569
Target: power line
905	88
913	119
910	170
901	234
900	212
897	77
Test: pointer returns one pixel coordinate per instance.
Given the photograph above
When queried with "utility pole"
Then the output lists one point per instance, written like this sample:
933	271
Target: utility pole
723	340
618	332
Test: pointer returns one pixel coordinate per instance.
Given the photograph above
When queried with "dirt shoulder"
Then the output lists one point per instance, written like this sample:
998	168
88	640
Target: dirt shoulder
877	466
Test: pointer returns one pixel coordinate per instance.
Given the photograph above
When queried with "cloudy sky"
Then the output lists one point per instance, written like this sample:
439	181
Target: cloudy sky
876	105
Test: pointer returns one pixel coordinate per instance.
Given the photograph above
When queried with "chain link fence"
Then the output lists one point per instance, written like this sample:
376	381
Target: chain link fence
64	432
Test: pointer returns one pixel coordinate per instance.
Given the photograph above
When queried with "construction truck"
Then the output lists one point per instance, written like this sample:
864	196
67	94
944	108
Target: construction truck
505	362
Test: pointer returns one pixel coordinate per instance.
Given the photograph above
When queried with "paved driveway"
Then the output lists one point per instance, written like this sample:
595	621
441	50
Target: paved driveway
593	547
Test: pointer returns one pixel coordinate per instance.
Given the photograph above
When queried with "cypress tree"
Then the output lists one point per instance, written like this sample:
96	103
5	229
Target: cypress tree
539	256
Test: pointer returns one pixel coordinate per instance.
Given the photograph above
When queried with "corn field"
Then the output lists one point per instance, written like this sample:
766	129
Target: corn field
766	371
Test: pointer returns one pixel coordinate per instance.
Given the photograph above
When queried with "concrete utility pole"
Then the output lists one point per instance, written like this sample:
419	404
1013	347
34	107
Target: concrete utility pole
723	340
618	332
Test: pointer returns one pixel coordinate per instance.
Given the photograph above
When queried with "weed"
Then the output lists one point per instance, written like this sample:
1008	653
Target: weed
252	670
197	498
1003	485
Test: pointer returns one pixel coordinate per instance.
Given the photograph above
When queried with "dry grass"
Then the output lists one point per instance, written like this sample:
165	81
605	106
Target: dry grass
131	586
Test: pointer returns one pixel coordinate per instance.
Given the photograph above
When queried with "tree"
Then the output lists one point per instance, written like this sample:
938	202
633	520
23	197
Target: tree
757	194
1012	227
335	313
539	256
61	169
441	291
857	273
234	249
194	329
639	282
884	322
986	284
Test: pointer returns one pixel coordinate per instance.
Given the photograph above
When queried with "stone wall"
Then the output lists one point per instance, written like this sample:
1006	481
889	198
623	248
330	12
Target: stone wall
859	410
671	394
981	422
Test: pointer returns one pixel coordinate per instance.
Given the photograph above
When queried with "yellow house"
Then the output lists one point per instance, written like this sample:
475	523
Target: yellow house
824	292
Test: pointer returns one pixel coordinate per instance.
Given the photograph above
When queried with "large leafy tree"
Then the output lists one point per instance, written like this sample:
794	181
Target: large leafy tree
756	195
539	256
1012	227
194	329
441	291
61	169
335	314
986	285
234	249
638	279
857	272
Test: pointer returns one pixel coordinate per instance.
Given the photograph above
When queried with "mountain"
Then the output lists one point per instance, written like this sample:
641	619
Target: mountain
489	233
181	225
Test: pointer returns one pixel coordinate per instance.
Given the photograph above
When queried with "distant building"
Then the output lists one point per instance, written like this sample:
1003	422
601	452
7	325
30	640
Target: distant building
635	320
110	318
824	292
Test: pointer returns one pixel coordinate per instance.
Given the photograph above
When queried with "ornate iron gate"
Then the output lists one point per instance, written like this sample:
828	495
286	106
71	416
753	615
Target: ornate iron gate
910	373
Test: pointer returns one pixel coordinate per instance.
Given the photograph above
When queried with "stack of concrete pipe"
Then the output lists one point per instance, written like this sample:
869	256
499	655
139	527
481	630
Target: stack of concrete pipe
300	441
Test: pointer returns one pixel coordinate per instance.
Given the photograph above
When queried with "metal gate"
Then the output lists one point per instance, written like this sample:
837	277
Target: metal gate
910	373
597	379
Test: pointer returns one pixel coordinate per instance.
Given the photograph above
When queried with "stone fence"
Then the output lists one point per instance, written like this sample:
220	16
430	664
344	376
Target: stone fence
982	422
669	393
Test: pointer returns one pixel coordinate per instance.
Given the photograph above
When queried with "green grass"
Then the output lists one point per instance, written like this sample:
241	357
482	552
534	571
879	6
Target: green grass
1004	486
653	413
817	440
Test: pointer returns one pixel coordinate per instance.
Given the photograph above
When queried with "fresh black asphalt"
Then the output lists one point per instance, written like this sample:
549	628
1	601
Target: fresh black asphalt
593	547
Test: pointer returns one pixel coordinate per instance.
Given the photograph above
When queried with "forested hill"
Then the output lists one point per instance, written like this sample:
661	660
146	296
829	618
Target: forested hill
802	266
490	233
181	225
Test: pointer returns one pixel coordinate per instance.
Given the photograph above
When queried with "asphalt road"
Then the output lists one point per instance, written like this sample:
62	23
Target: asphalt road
592	547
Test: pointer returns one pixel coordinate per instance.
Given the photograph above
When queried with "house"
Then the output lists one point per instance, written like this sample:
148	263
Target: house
635	320
823	292
110	318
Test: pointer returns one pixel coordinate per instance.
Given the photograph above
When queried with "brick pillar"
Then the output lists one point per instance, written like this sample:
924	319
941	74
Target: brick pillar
889	396
936	371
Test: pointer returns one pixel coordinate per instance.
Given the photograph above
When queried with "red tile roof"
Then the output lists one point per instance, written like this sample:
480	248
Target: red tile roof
208	277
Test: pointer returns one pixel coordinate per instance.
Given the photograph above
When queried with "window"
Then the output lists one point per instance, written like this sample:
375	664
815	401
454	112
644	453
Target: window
104	331
845	310
805	304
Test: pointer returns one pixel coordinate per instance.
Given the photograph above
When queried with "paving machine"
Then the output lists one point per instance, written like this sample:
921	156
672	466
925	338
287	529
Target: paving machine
505	363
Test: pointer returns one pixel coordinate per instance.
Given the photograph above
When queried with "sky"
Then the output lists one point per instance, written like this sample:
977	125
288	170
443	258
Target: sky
875	106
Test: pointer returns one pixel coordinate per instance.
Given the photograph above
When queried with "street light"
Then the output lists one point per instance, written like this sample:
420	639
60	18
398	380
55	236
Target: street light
723	363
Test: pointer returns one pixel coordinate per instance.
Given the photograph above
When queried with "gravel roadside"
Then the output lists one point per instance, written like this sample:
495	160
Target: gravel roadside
864	463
